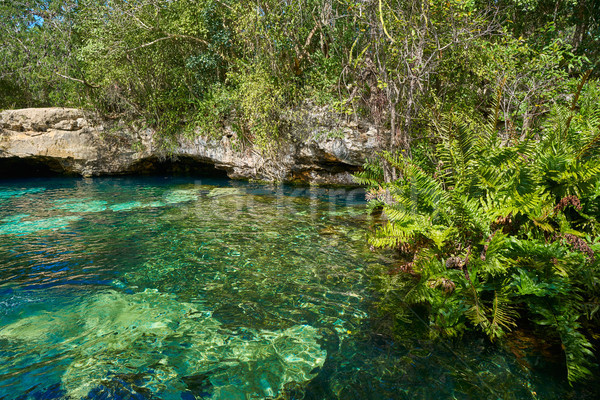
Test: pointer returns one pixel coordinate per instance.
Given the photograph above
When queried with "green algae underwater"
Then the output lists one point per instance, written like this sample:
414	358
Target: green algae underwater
175	288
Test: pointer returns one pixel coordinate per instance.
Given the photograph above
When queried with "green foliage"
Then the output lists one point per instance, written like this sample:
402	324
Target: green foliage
213	111
171	62
260	103
500	228
36	51
322	77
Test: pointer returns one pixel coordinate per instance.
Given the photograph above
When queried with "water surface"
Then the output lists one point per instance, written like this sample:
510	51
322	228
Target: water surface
179	288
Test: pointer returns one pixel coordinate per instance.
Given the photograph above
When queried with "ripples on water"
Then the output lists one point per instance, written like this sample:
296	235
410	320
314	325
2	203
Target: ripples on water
181	289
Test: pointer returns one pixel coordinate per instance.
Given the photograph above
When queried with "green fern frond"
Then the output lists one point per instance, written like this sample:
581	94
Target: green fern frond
503	316
592	147
577	348
422	186
371	175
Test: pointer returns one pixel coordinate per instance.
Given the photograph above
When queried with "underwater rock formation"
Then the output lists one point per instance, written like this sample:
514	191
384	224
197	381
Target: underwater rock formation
165	347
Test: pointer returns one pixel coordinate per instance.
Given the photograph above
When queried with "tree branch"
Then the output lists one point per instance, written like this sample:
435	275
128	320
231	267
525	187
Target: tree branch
77	80
177	36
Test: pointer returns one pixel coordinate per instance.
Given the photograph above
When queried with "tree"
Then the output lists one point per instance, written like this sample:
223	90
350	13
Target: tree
37	55
395	59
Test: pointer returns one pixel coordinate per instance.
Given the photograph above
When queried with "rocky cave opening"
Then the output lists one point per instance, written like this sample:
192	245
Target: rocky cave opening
16	167
178	166
42	167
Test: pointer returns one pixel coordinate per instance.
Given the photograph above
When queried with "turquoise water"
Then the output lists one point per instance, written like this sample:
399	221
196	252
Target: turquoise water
176	288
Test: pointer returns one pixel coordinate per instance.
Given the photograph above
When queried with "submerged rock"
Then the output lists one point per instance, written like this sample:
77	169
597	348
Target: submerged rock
7	194
76	205
221	192
20	227
130	205
181	196
171	346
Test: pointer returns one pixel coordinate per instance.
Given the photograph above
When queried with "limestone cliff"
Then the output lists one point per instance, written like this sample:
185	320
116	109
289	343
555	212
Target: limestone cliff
321	150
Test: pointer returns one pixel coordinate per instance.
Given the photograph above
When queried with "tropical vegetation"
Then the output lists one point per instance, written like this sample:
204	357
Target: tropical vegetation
487	114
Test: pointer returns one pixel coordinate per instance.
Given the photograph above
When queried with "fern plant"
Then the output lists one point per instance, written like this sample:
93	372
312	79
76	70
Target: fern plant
502	228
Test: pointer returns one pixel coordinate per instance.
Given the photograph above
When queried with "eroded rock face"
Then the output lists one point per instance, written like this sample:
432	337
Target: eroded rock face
67	141
71	141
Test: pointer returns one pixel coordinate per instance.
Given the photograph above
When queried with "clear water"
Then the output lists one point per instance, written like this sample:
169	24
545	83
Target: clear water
175	288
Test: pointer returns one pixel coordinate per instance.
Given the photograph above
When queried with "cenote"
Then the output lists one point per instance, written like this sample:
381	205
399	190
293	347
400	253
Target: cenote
183	288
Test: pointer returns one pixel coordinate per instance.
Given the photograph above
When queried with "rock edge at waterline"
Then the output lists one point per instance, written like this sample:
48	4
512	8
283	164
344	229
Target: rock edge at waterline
75	142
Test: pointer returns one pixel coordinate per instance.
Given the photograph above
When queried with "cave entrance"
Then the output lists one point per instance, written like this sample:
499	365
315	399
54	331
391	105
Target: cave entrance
31	167
177	166
42	167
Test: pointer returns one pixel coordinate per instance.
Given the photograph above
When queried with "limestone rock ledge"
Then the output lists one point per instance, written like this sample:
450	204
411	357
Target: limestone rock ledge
74	142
